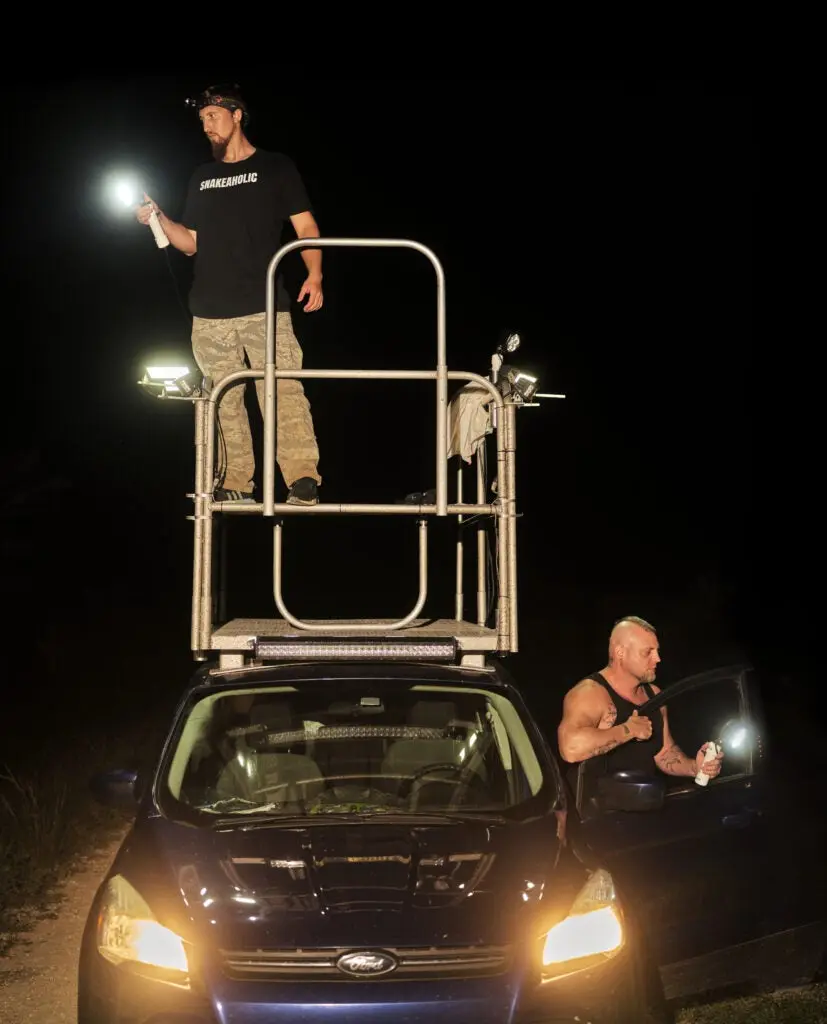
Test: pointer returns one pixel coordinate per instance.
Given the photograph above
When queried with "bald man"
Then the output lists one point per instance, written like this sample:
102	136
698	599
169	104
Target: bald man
600	712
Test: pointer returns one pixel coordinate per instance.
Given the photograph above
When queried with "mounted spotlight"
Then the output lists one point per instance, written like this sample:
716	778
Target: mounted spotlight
510	344
173	382
516	385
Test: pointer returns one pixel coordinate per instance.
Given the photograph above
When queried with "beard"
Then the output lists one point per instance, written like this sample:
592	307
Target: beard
218	146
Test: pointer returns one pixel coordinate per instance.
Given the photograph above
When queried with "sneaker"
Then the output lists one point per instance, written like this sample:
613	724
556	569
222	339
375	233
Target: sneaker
304	491
222	494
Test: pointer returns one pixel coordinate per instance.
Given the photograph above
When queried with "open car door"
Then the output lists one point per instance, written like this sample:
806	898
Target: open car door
691	863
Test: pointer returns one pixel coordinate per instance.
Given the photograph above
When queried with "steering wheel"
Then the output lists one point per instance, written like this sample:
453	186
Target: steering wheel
406	788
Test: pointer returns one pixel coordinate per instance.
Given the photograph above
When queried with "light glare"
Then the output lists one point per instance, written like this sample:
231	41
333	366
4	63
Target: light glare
125	192
167	373
155	944
598	931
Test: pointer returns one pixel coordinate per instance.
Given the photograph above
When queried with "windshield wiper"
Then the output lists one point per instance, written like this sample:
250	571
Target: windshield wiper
288	820
392	817
482	817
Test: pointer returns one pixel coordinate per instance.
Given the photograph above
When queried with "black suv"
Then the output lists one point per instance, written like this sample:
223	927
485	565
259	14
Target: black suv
384	842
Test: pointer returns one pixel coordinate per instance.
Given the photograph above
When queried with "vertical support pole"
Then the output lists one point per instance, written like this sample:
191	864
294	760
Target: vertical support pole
200	408
510	418
482	587
441	398
269	473
460	596
205	611
503	563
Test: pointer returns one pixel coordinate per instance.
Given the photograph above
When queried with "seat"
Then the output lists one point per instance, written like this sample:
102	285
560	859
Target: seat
263	775
408	756
271	777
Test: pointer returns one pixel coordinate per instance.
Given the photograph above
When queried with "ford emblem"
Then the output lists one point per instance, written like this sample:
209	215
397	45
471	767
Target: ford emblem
368	964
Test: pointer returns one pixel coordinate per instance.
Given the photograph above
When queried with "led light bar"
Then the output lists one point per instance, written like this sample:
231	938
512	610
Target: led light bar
356	649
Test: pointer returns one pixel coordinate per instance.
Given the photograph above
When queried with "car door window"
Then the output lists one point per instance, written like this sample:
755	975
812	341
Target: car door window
711	712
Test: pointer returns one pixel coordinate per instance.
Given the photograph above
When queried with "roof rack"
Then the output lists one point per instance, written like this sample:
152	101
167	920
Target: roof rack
497	397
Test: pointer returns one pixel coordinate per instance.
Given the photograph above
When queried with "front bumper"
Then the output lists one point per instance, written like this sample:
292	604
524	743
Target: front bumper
607	993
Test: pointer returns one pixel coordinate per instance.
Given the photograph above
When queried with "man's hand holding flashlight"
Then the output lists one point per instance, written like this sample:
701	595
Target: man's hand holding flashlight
711	768
146	209
166	231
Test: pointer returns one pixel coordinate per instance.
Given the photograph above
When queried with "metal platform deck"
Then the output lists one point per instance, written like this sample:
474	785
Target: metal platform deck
237	639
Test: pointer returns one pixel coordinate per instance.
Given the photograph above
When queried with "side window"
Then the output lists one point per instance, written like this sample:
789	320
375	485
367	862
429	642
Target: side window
712	712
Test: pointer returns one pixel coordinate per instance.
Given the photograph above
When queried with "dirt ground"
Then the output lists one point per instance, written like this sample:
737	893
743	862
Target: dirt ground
38	978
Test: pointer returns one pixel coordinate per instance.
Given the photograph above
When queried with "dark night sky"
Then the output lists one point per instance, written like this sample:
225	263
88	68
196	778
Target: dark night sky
610	222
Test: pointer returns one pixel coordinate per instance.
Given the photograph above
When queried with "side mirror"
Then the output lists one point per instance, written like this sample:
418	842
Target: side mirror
631	791
118	788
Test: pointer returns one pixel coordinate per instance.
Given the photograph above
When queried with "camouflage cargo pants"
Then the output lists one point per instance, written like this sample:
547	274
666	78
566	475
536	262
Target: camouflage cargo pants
219	347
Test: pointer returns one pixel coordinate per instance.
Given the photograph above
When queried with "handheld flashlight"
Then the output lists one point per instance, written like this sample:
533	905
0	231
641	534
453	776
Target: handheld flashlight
734	735
713	749
128	194
161	239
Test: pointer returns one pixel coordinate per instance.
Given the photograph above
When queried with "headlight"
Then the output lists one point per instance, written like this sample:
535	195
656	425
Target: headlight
592	927
129	933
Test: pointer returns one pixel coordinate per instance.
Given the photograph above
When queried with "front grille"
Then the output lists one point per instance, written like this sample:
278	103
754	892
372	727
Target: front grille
420	963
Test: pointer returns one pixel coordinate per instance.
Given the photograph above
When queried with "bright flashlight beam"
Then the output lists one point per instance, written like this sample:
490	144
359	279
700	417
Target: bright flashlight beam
125	193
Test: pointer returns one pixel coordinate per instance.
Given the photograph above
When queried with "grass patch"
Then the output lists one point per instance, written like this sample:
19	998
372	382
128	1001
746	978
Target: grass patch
804	1006
49	821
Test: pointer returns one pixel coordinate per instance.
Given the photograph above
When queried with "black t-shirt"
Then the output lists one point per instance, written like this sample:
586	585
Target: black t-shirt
633	755
238	211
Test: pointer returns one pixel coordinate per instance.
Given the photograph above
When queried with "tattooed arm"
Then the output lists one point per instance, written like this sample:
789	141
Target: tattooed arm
586	707
671	759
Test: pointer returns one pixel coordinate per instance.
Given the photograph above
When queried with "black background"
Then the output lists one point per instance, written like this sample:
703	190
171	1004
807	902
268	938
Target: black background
610	222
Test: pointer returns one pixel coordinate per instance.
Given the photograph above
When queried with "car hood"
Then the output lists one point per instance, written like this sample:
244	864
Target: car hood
264	886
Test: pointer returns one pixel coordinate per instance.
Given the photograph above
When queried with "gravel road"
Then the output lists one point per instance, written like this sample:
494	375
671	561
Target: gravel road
38	978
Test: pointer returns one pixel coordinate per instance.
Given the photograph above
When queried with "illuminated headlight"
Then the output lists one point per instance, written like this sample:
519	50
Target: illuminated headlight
593	926
128	932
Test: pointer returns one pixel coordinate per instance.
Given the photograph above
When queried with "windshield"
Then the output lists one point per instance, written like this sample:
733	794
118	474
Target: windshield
353	746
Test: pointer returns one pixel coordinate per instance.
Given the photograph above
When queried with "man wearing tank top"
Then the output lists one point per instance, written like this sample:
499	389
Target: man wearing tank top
600	712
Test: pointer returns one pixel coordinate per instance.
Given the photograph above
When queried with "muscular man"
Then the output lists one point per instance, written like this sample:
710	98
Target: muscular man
235	209
600	712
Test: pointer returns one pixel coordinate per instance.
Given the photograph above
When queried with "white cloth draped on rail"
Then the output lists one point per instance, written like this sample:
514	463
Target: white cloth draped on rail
469	420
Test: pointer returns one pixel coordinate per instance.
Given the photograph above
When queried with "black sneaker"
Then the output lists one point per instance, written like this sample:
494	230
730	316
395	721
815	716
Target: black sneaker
222	494
304	491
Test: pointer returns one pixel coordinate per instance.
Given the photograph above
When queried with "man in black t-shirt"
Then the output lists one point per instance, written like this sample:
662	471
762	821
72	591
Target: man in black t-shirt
235	210
600	716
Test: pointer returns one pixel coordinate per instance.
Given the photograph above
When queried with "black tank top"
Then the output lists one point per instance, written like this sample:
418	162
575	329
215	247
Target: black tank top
629	756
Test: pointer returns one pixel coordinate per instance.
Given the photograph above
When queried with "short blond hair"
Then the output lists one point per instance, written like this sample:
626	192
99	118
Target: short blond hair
635	620
618	627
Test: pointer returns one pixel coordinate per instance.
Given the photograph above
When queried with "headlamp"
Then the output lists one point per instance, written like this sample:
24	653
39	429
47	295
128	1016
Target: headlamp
227	95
